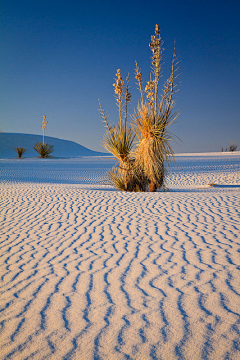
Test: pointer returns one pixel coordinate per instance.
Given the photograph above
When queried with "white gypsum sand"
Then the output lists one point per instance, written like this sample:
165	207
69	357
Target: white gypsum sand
88	272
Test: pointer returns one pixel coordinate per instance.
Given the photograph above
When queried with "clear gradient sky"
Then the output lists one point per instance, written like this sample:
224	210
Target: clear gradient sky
60	56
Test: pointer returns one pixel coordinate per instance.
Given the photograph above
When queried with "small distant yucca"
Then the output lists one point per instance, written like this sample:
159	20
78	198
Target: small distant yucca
143	148
44	150
20	151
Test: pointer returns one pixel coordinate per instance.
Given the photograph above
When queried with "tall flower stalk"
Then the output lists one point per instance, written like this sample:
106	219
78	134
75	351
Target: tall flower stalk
44	126
157	54
118	85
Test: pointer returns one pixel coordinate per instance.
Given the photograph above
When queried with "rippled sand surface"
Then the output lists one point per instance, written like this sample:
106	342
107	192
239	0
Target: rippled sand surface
88	272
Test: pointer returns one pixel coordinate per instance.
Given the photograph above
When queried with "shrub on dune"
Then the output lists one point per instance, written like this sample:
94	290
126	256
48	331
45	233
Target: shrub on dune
143	148
44	150
233	147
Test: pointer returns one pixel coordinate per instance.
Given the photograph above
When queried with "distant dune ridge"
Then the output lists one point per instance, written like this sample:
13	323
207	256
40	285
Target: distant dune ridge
62	148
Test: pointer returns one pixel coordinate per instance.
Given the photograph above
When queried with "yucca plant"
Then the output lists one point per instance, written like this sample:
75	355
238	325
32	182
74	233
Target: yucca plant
143	167
119	139
20	151
44	150
153	118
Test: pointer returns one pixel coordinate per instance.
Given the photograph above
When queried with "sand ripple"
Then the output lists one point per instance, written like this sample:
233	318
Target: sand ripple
99	274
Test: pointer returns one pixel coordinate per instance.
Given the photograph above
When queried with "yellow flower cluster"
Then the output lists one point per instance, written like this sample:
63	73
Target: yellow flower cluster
157	29
44	122
138	76
149	90
119	85
128	96
155	44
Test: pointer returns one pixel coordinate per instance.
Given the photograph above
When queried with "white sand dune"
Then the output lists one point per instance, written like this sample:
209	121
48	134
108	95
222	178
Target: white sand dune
62	148
88	272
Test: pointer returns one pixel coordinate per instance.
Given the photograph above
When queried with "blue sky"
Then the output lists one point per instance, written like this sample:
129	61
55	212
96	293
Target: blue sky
59	57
